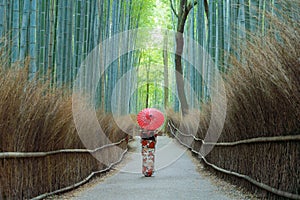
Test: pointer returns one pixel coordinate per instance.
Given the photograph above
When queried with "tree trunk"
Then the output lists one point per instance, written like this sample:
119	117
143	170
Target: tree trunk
182	15
184	9
179	74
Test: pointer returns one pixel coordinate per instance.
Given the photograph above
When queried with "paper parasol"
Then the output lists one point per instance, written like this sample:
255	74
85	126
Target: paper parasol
150	118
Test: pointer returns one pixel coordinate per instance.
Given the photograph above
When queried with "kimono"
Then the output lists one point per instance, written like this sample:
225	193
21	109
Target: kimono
148	141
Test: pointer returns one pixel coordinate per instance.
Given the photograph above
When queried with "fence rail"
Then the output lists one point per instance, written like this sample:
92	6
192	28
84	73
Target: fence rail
246	141
43	154
243	176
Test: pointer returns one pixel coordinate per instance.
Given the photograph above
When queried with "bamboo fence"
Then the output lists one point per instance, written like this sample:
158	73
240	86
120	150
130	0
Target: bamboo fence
240	149
36	175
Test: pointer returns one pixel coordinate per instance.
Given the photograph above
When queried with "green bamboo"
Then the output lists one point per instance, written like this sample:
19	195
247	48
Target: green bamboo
127	62
248	18
39	40
2	16
92	29
218	36
212	45
41	36
57	35
113	72
9	26
221	36
166	71
76	30
24	30
58	74
227	32
51	45
69	45
80	30
64	45
5	39
99	30
85	16
261	17
108	75
32	39
202	36
103	32
85	43
15	30
234	27
46	39
241	29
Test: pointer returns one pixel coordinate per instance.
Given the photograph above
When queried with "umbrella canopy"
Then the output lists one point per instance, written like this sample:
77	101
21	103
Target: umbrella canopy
150	118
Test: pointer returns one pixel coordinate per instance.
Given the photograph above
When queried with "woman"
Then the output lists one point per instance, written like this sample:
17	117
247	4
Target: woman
150	120
148	141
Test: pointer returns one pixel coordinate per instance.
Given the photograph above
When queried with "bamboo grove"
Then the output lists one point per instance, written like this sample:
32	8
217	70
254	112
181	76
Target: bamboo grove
222	28
254	45
58	35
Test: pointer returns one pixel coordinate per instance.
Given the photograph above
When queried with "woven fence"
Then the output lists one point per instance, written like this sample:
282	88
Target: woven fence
267	166
36	175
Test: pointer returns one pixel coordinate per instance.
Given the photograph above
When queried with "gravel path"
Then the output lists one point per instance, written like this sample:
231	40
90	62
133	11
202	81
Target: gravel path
180	177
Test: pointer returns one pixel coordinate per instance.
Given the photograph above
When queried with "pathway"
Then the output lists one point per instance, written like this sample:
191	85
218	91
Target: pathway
176	177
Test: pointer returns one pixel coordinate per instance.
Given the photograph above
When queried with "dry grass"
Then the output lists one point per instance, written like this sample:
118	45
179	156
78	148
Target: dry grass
34	118
263	89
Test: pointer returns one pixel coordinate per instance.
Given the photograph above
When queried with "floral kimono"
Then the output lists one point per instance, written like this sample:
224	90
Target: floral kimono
148	141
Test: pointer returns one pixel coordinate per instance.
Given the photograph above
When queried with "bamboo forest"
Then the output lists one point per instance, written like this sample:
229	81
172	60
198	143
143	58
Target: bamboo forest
76	74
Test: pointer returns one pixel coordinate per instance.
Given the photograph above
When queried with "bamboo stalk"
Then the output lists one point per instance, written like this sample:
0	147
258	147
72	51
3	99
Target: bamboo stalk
2	16
70	60
76	31
40	36
80	28
46	39
59	45
51	34
32	39
15	31
39	40
227	29
3	33
24	28
65	47
86	25
90	42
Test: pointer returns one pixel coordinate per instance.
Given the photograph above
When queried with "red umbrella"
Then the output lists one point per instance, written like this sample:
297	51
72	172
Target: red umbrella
150	118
